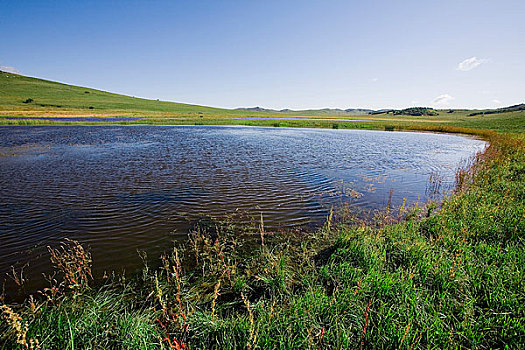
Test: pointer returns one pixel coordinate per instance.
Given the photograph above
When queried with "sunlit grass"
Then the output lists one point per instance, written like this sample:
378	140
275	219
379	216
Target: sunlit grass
54	99
444	275
419	277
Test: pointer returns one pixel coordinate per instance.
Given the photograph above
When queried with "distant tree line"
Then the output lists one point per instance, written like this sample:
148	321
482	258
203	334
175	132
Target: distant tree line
413	111
416	111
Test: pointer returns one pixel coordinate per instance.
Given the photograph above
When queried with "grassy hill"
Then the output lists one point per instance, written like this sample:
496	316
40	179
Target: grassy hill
515	108
442	275
20	93
27	97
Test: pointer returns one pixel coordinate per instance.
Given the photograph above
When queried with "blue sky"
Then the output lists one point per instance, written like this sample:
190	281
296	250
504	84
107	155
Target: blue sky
276	54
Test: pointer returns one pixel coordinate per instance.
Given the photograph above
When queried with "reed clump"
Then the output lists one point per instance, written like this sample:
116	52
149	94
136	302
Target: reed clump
73	262
447	275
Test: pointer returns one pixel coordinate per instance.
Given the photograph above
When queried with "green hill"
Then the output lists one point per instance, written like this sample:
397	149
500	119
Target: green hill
27	99
20	93
515	108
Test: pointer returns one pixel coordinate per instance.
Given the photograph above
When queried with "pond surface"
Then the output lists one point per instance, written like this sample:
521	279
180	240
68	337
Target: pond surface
123	188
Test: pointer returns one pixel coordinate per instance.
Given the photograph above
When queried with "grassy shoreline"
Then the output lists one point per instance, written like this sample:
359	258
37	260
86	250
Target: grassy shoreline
415	278
28	97
508	123
447	275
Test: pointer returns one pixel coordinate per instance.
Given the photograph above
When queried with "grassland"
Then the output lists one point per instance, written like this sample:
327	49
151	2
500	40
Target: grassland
61	100
443	275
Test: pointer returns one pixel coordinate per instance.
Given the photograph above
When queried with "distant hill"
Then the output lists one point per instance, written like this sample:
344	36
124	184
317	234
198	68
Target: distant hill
310	112
20	93
256	109
515	108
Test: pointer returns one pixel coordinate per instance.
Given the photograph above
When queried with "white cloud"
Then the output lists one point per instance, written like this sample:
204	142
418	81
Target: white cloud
375	79
443	99
471	63
9	69
498	102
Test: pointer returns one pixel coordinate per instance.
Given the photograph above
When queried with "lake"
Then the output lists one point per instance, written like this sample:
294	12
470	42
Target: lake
123	188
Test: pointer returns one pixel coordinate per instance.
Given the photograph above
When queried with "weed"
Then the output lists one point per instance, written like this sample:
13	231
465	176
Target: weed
74	262
442	275
19	328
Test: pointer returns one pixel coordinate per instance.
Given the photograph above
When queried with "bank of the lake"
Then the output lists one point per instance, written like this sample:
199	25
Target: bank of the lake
448	276
122	188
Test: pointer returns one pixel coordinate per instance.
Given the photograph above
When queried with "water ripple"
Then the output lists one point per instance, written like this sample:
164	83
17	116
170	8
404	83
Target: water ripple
123	188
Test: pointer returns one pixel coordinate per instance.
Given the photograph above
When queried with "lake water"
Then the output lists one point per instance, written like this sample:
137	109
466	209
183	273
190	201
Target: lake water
123	188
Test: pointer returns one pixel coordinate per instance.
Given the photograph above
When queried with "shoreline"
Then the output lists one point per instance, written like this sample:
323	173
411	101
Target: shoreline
431	262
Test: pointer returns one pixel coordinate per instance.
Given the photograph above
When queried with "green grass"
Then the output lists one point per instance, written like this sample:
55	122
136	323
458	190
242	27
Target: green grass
49	96
103	320
421	277
445	275
73	100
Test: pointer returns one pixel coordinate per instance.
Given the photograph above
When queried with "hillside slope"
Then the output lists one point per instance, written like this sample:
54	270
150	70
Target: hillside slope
27	99
25	93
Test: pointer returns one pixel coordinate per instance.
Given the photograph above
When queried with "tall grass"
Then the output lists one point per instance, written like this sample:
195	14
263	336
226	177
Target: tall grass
440	276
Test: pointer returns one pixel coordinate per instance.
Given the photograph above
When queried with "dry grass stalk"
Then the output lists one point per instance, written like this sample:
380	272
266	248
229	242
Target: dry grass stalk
20	329
18	278
159	294
220	254
215	296
404	335
403	209
261	230
329	220
253	335
177	270
361	341
74	262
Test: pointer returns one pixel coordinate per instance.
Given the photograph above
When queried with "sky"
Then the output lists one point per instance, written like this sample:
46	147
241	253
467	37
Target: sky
295	54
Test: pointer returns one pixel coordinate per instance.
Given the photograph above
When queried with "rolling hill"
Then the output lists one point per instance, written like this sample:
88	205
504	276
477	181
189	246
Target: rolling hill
30	98
21	93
